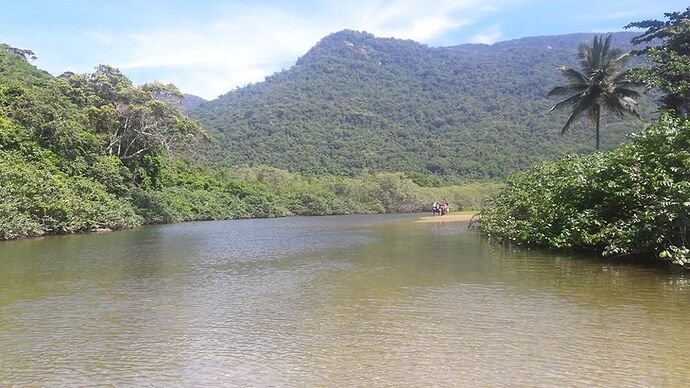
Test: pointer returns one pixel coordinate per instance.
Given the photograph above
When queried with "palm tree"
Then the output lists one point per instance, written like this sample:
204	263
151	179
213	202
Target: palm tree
602	83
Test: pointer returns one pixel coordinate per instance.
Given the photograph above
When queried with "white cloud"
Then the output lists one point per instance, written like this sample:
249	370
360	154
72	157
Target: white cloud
487	36
243	43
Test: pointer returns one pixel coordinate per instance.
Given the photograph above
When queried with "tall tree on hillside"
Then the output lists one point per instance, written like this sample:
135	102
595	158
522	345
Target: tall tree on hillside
24	54
603	83
670	69
135	123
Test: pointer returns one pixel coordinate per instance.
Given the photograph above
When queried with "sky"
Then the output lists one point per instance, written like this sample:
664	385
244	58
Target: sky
209	47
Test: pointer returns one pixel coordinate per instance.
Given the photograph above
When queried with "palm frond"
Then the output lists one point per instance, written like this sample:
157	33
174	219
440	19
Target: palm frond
571	119
631	104
606	52
625	92
620	105
573	76
585	54
595	52
584	103
636	114
573	116
614	106
617	62
620	57
570	101
563	90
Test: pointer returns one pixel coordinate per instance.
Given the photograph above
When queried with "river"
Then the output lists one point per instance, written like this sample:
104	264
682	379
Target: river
337	301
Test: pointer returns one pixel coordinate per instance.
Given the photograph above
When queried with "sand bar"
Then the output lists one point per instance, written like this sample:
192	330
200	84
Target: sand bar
446	218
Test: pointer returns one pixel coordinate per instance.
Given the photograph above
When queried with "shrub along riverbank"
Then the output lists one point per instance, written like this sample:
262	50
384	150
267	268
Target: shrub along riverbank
39	198
633	201
192	192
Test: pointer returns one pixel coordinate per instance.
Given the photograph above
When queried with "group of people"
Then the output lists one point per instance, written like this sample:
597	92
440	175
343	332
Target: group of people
440	209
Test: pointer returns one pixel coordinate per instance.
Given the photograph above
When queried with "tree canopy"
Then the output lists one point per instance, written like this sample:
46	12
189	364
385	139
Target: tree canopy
134	123
670	60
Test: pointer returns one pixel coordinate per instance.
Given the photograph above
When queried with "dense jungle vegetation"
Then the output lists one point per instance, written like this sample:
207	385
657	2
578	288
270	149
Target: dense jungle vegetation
633	201
83	152
358	103
358	125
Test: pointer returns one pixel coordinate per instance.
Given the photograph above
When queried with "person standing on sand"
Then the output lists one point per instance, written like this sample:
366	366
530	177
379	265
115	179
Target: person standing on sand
445	209
434	208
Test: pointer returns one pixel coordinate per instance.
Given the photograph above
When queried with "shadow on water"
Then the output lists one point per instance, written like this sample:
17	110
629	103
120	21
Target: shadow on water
406	256
590	279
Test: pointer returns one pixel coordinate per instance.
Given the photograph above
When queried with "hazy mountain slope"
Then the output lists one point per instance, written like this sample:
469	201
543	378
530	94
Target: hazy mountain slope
355	102
190	101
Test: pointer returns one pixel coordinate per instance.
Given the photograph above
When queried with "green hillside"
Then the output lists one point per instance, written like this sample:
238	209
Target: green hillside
84	152
358	103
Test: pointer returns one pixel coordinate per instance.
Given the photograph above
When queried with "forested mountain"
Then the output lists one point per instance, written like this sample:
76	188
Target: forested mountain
83	152
357	103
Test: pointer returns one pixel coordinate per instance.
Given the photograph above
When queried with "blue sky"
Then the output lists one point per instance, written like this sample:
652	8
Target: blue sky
208	47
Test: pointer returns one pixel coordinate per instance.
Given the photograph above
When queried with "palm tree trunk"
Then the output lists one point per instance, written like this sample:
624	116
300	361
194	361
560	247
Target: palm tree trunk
598	110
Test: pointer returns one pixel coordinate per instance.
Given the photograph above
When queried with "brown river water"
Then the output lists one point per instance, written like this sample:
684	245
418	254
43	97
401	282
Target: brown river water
332	301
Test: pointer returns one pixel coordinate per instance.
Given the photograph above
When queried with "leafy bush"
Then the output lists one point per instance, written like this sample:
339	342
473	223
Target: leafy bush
633	201
40	199
369	193
178	204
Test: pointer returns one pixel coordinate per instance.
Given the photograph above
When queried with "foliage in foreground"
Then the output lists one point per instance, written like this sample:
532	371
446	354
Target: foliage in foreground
633	201
670	61
39	198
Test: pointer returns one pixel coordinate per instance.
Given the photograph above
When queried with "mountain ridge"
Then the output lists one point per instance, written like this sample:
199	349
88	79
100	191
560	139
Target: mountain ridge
356	103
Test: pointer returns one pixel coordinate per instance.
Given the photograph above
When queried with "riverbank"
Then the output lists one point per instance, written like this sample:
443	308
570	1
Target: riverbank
454	217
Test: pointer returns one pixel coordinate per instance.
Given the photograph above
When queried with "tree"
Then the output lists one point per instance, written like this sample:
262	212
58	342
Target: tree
603	82
24	54
135	123
670	70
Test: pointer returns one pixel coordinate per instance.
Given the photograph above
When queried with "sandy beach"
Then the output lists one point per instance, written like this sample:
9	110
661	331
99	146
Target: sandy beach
446	218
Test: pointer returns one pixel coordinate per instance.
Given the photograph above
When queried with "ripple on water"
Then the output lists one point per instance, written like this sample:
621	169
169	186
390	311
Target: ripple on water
331	301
